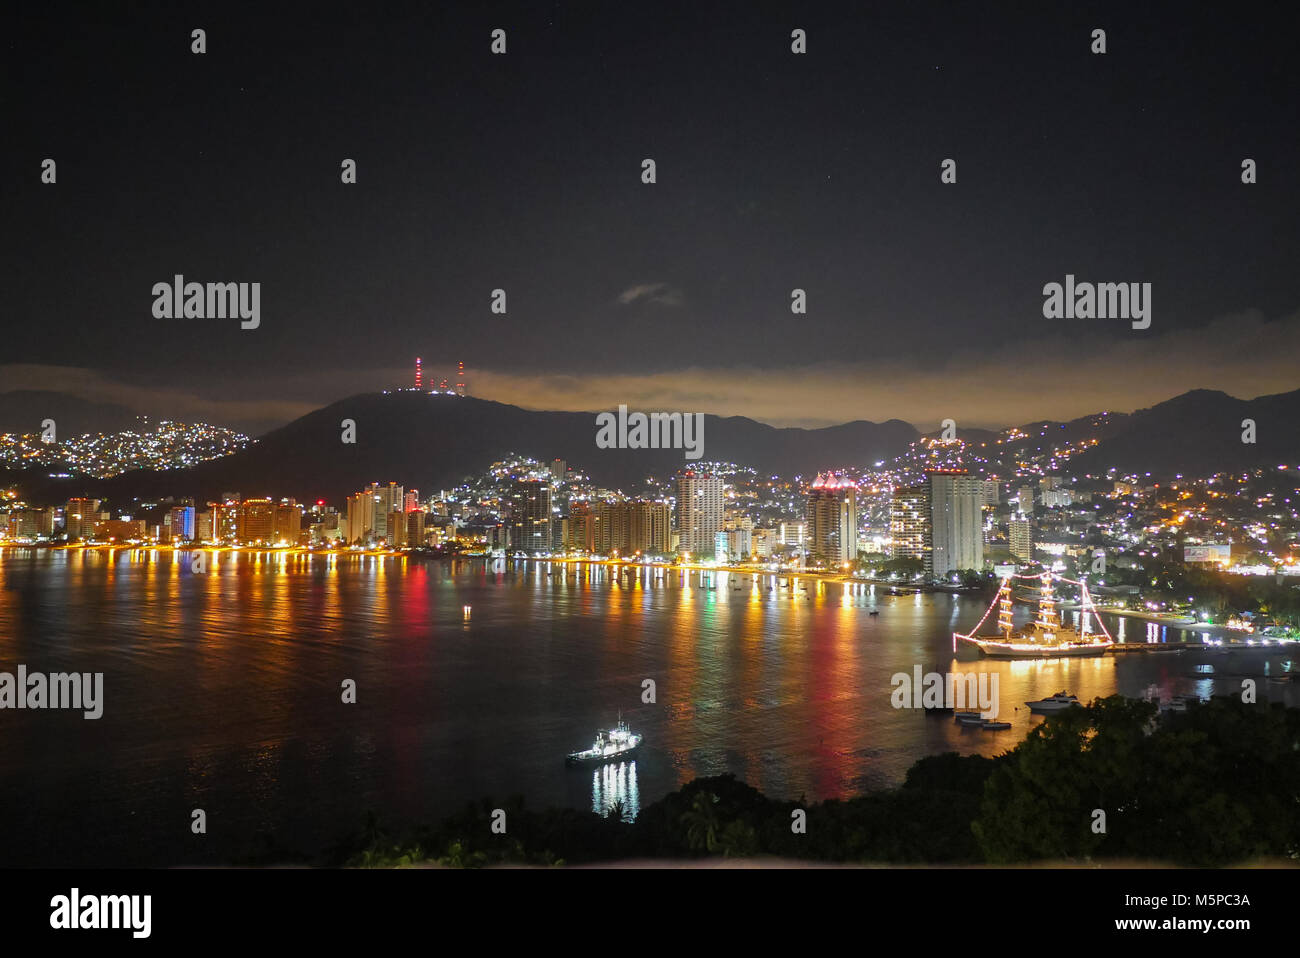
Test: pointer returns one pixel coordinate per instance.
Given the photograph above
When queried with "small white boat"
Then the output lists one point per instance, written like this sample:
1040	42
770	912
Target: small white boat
1056	703
610	746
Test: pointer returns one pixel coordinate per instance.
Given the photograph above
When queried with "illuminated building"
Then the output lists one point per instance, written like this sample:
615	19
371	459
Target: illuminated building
397	536
256	521
79	517
361	517
530	515
1021	536
181	523
909	523
288	521
699	513
956	522
414	528
992	492
119	530
832	519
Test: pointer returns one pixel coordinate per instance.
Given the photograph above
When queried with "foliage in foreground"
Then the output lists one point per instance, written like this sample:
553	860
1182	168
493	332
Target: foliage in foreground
1216	785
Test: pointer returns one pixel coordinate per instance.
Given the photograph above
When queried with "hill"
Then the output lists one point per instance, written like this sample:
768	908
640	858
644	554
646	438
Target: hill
433	442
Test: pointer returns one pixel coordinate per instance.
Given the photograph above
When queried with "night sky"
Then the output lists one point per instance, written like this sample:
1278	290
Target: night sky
775	171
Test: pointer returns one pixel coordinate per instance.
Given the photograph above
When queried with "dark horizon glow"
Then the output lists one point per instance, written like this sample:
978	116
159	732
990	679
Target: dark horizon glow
775	171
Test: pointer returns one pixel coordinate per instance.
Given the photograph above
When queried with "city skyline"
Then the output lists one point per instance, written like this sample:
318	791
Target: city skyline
551	436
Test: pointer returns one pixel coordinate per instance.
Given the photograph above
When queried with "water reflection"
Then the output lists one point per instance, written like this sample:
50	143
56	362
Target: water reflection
615	784
222	688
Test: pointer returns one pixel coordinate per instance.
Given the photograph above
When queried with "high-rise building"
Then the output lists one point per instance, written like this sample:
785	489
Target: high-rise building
648	527
79	517
1021	536
415	529
361	516
288	521
832	517
956	522
397	536
578	526
530	515
909	523
559	468
940	522
388	499
992	492
181	523
256	521
1026	500
225	519
699	513
31	524
625	527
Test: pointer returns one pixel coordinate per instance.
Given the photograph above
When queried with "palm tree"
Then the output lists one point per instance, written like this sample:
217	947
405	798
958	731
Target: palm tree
701	821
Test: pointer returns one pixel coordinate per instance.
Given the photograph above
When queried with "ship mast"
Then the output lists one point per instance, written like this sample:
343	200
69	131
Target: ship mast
1047	605
1004	607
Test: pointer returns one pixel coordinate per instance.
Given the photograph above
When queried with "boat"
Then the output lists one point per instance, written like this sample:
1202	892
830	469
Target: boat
1056	703
969	718
992	725
1046	637
874	612
611	745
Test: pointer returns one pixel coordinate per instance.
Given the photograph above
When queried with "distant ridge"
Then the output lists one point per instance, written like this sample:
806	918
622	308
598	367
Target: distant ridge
1199	433
433	442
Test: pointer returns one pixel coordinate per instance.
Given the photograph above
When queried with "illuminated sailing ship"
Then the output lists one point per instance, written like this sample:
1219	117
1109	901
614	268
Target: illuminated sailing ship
1044	638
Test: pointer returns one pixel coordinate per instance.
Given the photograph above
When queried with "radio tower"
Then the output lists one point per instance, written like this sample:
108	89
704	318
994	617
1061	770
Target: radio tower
460	379
418	372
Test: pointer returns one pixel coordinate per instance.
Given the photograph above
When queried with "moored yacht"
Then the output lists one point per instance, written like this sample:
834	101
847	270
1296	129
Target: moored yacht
1056	703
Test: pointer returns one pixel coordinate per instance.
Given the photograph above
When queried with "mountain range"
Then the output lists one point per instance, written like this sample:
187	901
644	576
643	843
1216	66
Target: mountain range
433	442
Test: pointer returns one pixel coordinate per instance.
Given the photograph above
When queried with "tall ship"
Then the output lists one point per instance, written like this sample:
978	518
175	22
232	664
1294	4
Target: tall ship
611	745
1047	637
